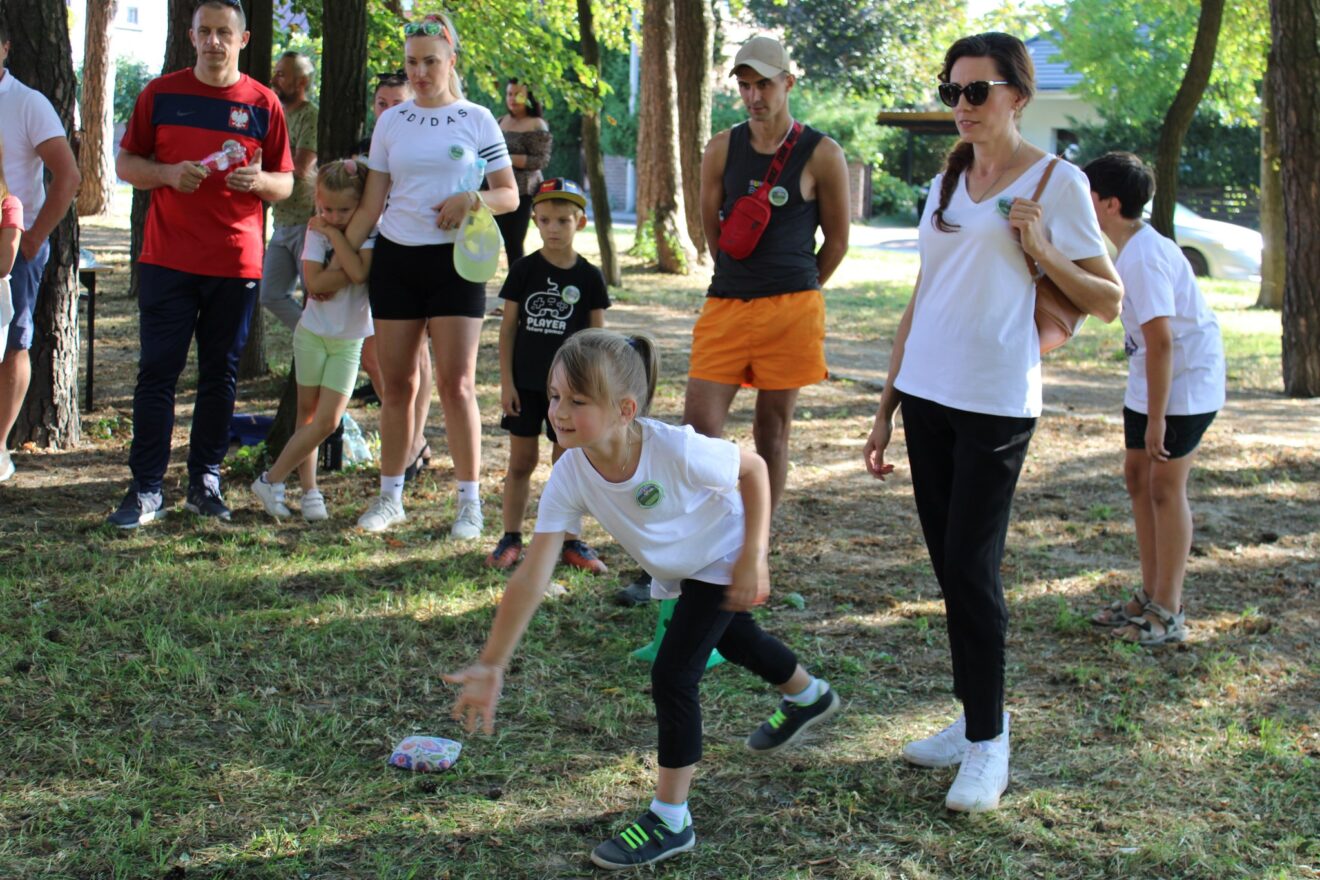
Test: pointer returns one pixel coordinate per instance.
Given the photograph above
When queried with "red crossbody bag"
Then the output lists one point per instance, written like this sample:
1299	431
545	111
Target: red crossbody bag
742	229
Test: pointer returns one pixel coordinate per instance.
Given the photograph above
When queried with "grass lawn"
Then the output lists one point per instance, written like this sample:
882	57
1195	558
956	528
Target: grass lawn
205	700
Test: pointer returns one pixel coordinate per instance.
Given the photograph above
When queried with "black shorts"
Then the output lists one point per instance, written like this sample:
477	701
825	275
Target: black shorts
410	282
534	411
1182	434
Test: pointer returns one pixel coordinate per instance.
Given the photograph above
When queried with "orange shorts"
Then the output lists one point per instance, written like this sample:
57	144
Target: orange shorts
772	343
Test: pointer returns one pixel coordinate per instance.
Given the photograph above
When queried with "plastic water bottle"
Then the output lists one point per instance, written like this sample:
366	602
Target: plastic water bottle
356	450
231	155
472	178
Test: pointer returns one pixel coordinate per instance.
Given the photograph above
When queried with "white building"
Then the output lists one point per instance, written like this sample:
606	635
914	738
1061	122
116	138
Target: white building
138	31
1047	120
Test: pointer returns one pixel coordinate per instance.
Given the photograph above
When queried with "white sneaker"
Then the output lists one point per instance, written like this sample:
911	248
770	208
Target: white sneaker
982	777
313	507
469	523
271	496
944	749
6	465
383	513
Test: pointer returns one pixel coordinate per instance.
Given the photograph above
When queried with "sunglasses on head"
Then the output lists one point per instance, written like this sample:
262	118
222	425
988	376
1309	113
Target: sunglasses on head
392	78
428	29
976	93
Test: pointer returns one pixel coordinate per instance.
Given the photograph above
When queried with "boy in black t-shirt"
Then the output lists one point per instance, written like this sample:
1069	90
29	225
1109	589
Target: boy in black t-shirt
549	295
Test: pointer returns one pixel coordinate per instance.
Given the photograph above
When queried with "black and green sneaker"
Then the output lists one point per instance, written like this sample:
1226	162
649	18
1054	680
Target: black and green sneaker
644	842
790	721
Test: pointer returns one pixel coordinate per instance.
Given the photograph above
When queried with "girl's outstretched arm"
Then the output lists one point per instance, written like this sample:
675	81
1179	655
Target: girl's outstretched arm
483	680
751	573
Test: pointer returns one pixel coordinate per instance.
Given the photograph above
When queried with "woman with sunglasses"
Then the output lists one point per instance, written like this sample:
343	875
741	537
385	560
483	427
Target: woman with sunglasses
965	367
423	153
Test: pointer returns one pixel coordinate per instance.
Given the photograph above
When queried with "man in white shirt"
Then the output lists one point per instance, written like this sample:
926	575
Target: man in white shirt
34	140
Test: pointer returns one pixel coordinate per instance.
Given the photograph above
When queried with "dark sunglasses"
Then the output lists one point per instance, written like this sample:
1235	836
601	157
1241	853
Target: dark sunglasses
428	29
975	92
392	78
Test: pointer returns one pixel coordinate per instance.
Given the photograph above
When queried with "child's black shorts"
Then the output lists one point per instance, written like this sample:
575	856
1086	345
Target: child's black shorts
1182	434
534	411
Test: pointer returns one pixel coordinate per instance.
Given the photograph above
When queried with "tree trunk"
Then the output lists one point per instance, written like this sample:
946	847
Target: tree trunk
1272	229
1295	56
694	26
343	78
41	57
96	158
255	62
179	54
600	200
1179	117
659	179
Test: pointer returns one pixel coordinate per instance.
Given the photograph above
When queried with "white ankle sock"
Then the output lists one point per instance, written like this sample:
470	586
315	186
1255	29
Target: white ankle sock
676	816
468	491
392	487
809	694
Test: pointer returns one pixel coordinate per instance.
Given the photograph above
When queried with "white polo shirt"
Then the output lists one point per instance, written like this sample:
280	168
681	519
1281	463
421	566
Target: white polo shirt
27	120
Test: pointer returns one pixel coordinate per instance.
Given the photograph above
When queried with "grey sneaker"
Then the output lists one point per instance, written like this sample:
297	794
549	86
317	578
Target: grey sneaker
469	522
204	499
383	513
313	506
6	465
271	496
637	593
138	509
791	720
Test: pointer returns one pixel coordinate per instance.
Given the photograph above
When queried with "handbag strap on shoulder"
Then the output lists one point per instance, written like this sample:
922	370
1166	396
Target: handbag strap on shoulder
1032	269
780	159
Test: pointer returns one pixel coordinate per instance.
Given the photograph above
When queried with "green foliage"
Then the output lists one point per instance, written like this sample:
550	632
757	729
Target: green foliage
891	196
1132	55
882	48
131	77
1021	18
1213	154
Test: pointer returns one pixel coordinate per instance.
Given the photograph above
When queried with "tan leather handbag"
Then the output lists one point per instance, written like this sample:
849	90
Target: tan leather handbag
1057	318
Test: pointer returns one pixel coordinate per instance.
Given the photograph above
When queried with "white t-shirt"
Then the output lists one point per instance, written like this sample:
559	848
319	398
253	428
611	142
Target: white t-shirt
427	151
27	119
680	515
1158	283
347	314
973	345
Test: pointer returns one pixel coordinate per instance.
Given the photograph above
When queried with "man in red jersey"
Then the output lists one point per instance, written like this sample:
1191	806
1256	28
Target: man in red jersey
200	266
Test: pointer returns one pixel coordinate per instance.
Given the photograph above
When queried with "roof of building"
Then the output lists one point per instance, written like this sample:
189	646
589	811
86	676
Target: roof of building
1052	72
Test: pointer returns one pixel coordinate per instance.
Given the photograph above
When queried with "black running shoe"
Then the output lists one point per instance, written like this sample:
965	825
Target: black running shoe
138	509
636	593
204	500
790	721
644	842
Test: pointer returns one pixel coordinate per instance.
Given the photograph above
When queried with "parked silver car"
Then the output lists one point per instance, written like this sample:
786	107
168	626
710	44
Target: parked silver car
1217	249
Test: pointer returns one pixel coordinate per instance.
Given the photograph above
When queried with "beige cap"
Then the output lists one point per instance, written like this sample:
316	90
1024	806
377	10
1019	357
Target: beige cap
766	55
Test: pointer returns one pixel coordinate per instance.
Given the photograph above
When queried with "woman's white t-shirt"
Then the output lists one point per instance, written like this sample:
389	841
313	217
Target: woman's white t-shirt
427	151
1158	283
347	314
973	344
680	515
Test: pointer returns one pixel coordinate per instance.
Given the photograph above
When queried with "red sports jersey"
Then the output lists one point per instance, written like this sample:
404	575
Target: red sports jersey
215	230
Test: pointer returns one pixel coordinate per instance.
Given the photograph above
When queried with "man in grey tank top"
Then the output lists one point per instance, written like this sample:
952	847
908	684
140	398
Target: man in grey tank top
763	324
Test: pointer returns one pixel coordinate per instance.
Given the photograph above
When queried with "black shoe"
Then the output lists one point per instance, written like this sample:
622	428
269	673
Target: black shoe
138	509
206	501
419	464
791	720
644	842
366	393
636	593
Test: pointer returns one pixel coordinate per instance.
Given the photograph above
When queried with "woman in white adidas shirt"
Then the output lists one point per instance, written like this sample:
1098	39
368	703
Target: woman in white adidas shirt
966	369
1175	388
421	153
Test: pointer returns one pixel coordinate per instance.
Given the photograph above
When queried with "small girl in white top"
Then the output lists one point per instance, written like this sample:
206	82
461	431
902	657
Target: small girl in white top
1175	388
327	343
695	512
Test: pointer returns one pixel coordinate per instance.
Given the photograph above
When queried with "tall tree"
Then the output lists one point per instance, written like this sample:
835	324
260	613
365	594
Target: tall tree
42	58
1273	267
96	158
659	179
595	158
255	61
1179	117
1296	69
343	78
694	39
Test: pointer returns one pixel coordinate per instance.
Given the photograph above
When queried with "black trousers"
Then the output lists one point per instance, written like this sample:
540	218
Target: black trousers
513	228
699	626
965	469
